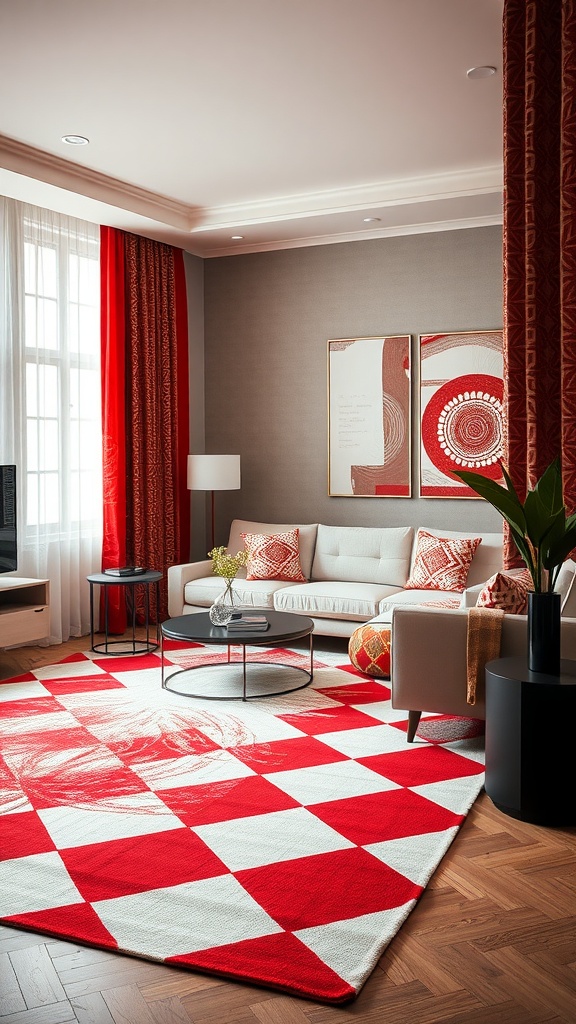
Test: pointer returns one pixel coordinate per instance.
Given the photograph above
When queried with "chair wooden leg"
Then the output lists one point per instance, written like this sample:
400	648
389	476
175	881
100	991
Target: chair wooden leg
413	723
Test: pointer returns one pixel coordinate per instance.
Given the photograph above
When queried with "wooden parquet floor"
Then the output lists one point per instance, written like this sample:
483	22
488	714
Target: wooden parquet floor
491	941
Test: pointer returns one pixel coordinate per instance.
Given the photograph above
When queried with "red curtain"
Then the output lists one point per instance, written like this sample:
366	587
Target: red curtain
114	435
145	361
540	242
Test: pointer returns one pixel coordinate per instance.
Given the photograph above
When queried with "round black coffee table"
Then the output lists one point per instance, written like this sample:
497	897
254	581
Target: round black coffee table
227	680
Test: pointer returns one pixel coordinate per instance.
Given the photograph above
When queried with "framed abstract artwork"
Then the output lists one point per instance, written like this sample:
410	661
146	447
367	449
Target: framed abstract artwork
461	401
369	417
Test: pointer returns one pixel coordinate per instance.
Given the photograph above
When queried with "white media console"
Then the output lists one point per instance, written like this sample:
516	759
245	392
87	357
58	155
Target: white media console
24	610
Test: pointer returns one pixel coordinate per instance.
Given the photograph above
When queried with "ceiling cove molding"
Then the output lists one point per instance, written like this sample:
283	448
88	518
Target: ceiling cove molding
480	181
54	170
357	236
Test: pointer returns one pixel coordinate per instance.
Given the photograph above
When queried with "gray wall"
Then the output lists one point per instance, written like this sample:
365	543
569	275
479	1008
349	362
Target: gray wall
267	320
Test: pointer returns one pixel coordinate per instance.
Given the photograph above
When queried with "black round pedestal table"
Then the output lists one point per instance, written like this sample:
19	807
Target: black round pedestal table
530	759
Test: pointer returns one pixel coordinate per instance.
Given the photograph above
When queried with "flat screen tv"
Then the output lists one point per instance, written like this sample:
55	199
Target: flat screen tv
8	533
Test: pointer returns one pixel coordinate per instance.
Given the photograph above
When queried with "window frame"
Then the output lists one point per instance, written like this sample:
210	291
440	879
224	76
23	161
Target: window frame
67	359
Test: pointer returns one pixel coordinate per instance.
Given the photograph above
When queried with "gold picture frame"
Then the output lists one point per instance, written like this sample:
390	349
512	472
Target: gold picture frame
461	409
369	417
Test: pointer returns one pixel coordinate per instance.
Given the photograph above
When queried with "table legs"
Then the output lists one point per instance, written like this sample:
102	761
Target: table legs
137	646
308	673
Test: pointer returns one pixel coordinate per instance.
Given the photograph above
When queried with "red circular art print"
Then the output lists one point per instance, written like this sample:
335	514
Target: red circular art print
462	425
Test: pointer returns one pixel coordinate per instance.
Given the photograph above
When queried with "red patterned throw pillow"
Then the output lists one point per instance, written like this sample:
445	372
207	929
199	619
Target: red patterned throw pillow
508	593
441	563
273	557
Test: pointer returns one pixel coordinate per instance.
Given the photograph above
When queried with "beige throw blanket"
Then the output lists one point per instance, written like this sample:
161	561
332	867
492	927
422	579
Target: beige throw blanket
483	645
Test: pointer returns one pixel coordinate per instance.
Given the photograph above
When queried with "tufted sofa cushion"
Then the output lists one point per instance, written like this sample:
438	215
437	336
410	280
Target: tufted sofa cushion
363	554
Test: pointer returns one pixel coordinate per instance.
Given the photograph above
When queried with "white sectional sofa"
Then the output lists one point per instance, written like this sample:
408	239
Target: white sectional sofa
353	574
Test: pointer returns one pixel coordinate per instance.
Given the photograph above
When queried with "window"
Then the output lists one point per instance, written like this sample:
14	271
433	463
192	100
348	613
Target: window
50	422
61	335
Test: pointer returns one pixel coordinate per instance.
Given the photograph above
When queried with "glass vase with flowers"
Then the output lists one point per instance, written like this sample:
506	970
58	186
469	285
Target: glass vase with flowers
226	566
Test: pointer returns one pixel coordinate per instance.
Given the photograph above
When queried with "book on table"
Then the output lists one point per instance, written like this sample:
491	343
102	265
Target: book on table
248	623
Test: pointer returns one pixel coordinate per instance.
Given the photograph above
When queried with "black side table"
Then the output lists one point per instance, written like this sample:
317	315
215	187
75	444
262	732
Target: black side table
146	579
530	764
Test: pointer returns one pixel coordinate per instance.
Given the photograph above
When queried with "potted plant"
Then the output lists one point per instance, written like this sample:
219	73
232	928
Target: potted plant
544	536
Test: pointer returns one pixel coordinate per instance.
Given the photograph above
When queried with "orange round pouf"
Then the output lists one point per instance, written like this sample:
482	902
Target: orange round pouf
369	650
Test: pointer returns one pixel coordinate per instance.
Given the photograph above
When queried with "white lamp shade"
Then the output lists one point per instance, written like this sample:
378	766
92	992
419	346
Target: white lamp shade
213	472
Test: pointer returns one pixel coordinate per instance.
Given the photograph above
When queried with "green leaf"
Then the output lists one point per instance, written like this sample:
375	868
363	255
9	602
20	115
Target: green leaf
559	550
509	483
555	535
506	503
549	539
542	533
540	518
526	553
549	488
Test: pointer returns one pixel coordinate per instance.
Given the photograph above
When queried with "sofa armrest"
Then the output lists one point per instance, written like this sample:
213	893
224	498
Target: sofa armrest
470	595
178	577
429	657
428	662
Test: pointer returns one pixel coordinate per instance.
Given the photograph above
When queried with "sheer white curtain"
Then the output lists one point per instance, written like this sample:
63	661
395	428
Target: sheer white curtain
50	413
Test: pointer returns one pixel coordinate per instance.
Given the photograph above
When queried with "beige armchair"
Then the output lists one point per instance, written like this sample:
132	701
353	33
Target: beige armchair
429	661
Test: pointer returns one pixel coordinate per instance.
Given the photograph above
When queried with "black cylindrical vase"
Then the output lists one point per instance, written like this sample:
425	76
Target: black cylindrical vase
544	633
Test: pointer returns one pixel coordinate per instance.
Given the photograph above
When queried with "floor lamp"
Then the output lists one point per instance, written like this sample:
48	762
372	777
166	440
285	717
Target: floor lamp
213	473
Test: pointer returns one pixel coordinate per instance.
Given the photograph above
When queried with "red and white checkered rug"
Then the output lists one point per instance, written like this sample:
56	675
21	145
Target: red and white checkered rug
281	841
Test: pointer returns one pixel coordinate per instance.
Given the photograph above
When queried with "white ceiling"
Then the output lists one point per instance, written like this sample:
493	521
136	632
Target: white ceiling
284	121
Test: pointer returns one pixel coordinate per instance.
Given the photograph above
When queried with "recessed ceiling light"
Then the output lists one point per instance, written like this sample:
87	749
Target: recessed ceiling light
486	71
369	220
75	140
237	238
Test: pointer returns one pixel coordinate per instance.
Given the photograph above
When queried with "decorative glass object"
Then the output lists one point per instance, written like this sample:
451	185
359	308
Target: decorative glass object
220	612
225	565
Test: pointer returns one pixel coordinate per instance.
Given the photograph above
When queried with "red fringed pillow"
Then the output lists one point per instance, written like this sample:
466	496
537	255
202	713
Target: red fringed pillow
273	557
441	563
508	593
